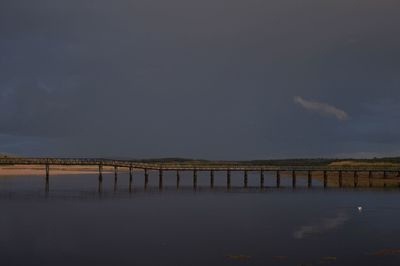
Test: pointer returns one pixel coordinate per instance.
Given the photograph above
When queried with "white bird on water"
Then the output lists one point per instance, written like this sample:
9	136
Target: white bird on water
359	208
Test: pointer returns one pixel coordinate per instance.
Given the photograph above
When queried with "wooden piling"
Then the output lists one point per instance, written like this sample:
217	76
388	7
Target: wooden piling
115	178
384	178
370	179
261	179
194	178
100	184
325	179
340	179
146	178
115	173
100	170
228	178
293	178
130	178
245	179
309	179
212	179
47	171
160	179
178	179
47	185
355	178
278	179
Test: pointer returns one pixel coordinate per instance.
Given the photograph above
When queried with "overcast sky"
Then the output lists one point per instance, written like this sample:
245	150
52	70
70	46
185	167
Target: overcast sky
213	79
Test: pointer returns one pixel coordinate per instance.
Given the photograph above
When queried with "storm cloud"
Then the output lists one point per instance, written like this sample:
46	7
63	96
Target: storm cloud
202	79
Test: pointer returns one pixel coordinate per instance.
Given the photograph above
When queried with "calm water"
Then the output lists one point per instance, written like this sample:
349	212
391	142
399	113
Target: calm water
73	224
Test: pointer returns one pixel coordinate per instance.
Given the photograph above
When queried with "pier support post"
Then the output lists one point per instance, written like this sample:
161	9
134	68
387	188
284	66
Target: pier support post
370	179
130	178
294	178
100	170
309	179
194	178
115	178
160	179
384	178
212	178
278	179
100	187
146	178
228	178
47	186
340	179
245	179
355	178
325	179
261	179
47	171
178	179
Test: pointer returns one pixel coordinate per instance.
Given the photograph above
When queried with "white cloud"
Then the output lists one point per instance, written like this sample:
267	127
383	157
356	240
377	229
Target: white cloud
322	108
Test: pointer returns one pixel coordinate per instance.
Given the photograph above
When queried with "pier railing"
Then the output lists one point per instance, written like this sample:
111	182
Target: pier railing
188	166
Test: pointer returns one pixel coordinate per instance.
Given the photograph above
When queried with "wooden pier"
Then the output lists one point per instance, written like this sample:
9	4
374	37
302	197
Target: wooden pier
340	176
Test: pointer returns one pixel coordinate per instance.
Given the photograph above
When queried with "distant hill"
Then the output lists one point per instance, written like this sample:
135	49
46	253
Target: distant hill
389	161
6	155
282	162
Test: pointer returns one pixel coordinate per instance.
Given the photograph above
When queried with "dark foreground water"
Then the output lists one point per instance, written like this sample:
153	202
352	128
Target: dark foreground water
73	224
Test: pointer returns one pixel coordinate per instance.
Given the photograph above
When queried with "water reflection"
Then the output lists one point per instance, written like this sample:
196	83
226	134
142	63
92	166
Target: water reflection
133	182
325	225
100	186
77	223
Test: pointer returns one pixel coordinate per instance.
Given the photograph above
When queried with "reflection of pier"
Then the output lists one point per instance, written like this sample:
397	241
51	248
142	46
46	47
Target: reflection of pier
328	176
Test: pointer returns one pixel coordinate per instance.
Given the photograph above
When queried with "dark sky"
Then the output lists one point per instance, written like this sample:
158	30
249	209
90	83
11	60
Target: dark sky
213	79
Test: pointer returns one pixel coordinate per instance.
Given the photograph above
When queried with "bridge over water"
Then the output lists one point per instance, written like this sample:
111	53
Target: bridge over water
310	172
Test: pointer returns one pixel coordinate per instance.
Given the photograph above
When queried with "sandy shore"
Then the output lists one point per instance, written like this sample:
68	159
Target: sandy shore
37	170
